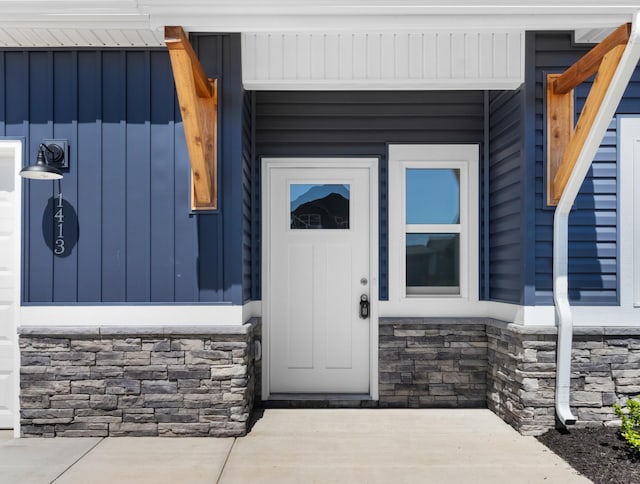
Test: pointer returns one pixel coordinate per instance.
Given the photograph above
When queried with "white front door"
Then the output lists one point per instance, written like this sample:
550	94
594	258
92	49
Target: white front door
10	163
319	265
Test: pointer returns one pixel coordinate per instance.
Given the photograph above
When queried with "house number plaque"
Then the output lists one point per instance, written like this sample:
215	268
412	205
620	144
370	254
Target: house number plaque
58	226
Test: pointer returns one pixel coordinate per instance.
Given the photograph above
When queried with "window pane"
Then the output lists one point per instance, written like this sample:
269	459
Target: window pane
319	206
433	196
433	263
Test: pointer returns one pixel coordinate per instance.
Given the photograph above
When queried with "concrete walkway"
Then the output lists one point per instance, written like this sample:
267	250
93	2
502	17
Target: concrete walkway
302	446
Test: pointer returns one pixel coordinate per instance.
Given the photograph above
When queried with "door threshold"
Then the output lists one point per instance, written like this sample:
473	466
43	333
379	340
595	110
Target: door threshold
320	396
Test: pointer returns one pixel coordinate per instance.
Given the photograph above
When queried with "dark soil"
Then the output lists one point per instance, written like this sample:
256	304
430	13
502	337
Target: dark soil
598	453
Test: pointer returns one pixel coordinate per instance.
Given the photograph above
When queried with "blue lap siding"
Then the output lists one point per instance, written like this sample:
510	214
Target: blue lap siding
593	234
507	233
363	124
129	181
249	285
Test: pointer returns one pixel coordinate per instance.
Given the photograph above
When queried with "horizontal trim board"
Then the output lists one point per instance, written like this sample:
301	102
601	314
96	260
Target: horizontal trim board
587	316
201	18
443	60
183	319
450	85
111	331
145	315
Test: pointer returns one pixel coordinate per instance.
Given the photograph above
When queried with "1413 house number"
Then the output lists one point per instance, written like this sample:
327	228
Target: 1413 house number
58	224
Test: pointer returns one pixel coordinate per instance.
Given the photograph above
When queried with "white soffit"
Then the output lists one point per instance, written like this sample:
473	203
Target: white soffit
591	36
28	38
418	60
77	23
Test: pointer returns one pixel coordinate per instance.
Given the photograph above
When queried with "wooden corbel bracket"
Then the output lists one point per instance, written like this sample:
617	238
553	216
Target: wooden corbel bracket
198	99
564	143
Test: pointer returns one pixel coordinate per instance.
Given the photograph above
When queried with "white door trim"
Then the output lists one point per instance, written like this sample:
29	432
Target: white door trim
268	164
17	146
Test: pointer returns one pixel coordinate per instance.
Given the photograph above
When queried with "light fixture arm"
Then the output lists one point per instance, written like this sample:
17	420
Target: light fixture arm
55	153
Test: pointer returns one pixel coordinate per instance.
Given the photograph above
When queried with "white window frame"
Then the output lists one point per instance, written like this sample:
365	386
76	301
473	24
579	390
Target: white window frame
629	209
465	158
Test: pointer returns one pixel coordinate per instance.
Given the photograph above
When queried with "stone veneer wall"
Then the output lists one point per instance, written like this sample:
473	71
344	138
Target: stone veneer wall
433	362
112	381
508	368
202	381
521	379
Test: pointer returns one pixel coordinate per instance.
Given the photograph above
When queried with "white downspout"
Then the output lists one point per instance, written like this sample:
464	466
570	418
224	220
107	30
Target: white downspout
610	102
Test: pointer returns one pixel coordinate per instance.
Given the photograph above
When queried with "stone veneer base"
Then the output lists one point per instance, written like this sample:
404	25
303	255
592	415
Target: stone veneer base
432	363
605	369
201	381
117	381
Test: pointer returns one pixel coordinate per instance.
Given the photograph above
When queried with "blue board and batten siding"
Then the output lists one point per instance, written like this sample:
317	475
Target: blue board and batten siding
220	56
593	234
129	180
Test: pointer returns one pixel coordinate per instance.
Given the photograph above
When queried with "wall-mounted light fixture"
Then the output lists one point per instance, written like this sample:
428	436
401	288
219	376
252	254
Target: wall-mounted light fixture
52	157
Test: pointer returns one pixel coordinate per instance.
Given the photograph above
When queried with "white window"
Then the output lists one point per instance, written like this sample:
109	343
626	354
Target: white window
433	224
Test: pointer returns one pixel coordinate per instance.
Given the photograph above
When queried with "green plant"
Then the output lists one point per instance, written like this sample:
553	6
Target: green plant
630	428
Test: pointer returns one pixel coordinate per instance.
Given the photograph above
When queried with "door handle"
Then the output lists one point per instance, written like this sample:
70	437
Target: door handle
364	306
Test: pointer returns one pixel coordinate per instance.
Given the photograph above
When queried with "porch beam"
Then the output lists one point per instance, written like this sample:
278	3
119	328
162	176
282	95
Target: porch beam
559	131
588	64
197	96
587	117
564	143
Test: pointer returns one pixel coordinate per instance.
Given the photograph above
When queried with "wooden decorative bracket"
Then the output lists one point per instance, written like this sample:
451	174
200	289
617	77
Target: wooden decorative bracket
198	99
564	143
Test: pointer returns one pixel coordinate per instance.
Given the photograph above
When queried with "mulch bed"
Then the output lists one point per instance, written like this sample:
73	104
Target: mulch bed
598	453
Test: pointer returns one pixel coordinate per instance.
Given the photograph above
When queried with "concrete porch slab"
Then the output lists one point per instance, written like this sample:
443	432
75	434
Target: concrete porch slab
382	446
301	445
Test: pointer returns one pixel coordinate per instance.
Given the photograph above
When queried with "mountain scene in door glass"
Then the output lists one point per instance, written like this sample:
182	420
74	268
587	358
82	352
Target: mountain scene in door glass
319	206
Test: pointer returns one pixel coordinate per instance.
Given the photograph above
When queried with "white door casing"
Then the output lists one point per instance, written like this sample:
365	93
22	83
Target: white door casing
10	201
314	339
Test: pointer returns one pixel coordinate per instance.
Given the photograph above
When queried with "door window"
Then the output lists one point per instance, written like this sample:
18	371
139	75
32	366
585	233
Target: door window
322	206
